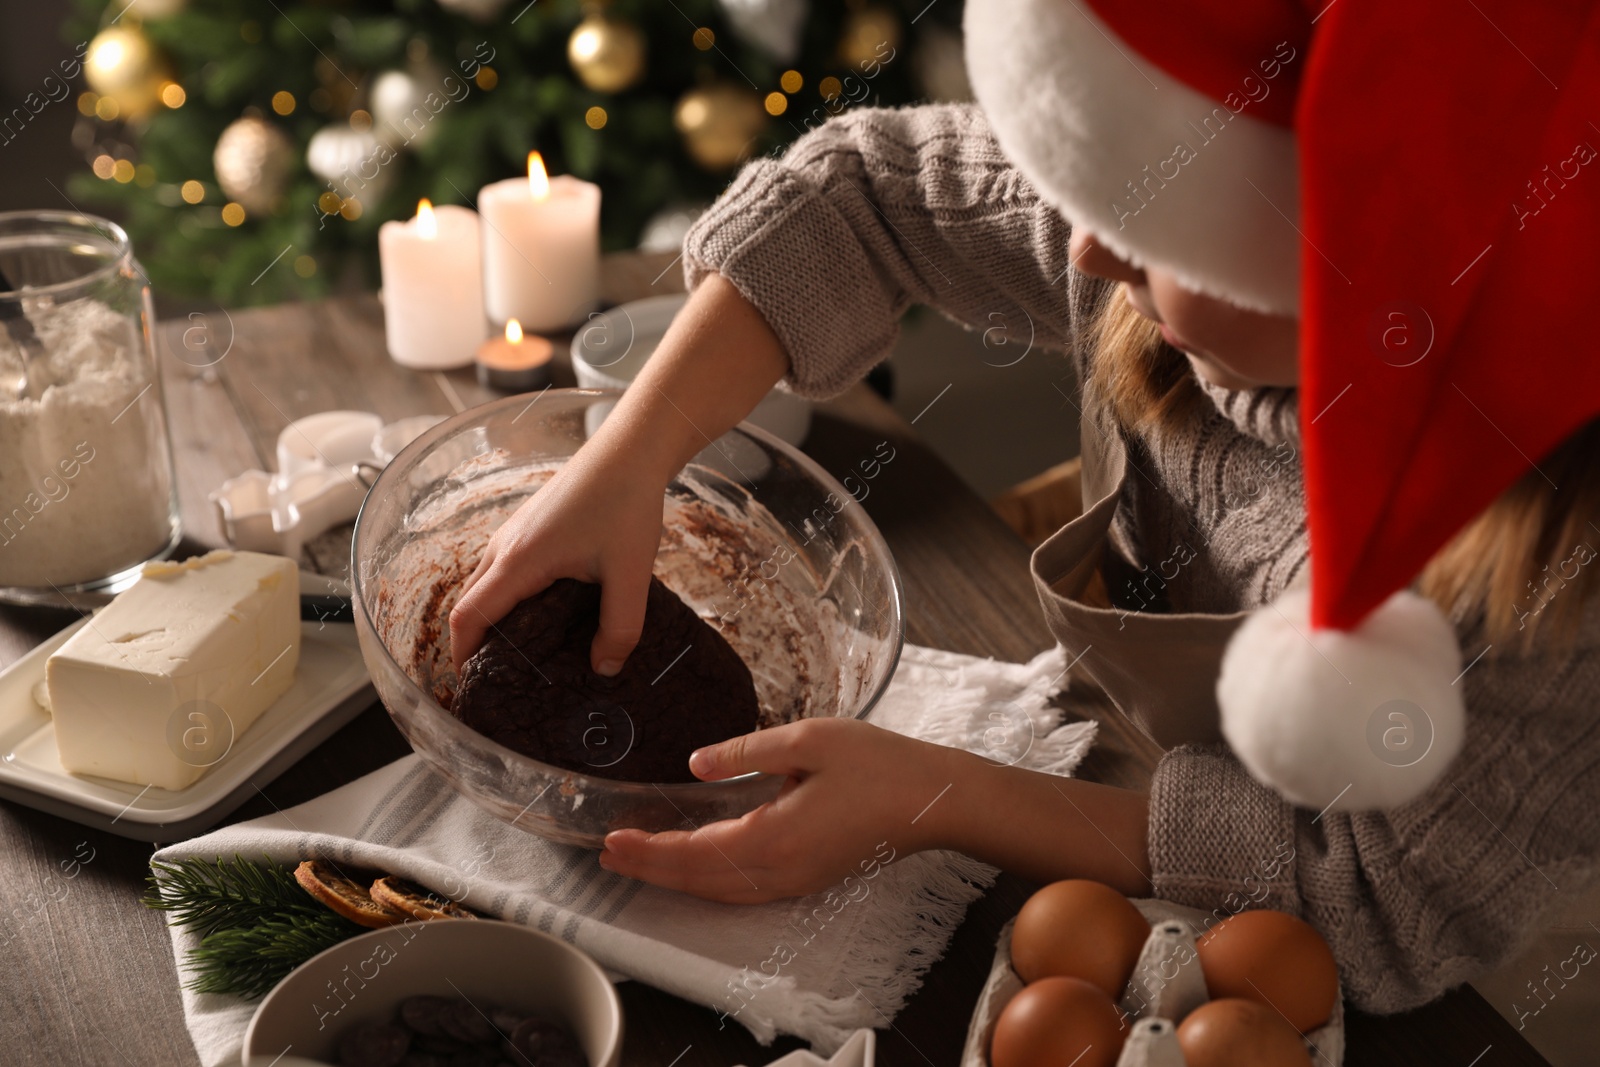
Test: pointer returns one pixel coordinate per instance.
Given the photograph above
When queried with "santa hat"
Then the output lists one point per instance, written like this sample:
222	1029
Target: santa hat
1419	182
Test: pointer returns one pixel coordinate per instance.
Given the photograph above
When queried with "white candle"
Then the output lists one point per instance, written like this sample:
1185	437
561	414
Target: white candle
433	287
541	249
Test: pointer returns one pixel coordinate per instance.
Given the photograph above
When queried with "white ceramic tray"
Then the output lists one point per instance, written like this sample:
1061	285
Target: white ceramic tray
330	688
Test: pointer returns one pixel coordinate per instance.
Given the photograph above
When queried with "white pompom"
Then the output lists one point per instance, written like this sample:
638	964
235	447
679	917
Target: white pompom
1353	721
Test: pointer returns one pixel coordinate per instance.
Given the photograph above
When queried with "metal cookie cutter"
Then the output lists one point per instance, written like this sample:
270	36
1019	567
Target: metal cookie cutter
326	462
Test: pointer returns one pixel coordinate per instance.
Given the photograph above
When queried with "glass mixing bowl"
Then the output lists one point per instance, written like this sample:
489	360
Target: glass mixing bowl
758	539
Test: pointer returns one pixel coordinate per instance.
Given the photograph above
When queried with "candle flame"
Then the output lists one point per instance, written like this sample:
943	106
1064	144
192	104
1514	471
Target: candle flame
427	225
538	178
514	331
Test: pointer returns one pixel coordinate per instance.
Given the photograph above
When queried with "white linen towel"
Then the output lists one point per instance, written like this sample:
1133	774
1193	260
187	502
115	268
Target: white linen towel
853	969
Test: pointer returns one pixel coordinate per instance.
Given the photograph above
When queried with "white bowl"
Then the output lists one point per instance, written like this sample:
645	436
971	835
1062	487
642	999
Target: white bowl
490	963
611	348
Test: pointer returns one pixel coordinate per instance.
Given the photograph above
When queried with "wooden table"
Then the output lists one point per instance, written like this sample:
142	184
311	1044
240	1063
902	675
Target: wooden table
89	976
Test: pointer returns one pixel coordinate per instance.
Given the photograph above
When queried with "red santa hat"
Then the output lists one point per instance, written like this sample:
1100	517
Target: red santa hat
1419	182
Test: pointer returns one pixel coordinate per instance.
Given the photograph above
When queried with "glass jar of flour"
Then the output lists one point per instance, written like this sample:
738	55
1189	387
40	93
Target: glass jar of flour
87	487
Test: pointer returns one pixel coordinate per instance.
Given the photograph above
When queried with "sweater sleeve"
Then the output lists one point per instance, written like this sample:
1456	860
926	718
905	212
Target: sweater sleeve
1416	900
873	211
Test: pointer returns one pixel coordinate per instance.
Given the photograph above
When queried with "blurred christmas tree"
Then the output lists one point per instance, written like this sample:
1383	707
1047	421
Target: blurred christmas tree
252	147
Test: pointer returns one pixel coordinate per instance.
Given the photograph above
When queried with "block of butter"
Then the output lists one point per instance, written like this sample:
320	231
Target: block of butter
156	686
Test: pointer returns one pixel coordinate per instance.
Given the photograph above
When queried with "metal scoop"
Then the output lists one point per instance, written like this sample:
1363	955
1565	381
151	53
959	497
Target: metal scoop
27	341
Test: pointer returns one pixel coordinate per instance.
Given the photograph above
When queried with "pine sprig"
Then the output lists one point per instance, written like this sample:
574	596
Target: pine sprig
248	961
218	895
256	924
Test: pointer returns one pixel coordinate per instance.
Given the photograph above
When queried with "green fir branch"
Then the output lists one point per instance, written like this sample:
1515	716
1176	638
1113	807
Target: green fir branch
248	961
255	922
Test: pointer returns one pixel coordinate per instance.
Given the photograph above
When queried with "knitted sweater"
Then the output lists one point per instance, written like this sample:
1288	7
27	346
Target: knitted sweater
879	209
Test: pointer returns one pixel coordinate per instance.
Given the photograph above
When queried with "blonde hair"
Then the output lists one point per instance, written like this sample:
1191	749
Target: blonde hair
1511	569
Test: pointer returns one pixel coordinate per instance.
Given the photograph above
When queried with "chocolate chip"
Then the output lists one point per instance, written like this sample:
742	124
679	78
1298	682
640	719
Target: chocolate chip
375	1045
421	1014
506	1020
546	1045
466	1023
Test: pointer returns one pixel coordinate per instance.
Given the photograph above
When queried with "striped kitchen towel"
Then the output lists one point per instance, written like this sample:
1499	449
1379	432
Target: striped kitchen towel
849	954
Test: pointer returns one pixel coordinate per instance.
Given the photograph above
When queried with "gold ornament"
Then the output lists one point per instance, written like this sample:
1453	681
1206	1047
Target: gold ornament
252	161
718	122
870	35
606	54
122	64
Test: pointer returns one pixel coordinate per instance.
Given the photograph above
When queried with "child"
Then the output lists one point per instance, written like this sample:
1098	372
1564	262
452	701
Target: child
1257	292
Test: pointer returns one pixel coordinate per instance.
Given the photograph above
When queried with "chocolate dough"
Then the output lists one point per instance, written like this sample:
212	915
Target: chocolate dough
530	687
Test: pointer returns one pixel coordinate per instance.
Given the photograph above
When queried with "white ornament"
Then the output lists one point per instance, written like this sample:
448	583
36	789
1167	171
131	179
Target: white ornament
477	10
773	26
400	116
353	162
1350	721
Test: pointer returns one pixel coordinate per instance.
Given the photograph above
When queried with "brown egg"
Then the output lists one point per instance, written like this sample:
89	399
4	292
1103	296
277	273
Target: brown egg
1057	1021
1274	959
1240	1033
1079	929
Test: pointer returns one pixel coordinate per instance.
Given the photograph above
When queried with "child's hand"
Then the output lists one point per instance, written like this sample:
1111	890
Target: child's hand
852	787
597	520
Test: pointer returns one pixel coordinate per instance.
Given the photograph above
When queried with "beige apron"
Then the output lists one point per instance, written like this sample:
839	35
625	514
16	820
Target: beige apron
1161	670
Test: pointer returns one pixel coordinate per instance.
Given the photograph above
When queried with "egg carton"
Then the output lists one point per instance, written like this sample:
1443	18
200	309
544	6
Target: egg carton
1154	1005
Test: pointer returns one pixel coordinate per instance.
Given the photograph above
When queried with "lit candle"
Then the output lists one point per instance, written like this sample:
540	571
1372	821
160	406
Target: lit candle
518	362
541	249
432	287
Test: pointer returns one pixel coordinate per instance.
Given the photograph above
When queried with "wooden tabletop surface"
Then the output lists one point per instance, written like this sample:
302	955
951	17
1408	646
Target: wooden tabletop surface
89	976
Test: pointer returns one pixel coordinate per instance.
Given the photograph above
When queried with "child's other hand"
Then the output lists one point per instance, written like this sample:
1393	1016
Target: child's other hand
596	520
852	787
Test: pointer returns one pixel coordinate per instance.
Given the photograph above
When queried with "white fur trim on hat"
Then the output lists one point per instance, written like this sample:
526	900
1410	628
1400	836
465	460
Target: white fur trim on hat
1161	174
1352	721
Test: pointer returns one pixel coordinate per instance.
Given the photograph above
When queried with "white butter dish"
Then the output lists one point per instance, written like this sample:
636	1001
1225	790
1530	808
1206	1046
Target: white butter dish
331	687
